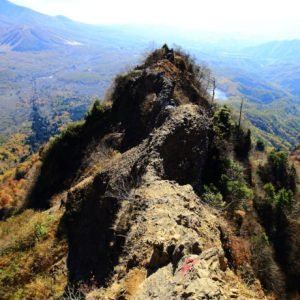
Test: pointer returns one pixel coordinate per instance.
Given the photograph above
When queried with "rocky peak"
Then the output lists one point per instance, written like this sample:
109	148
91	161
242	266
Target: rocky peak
136	225
144	98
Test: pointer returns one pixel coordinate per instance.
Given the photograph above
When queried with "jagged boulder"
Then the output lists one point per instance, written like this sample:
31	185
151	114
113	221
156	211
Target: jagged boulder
196	277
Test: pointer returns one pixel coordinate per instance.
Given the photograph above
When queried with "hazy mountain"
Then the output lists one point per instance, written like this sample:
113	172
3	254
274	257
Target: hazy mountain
25	38
27	30
276	51
50	28
13	14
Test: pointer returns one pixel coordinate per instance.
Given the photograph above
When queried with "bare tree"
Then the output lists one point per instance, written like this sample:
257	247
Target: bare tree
241	110
213	90
71	293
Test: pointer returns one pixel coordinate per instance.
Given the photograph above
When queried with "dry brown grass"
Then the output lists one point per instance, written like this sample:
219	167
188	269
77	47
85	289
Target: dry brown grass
29	248
133	281
240	251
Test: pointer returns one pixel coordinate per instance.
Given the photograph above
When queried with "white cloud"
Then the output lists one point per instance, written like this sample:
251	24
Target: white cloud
255	16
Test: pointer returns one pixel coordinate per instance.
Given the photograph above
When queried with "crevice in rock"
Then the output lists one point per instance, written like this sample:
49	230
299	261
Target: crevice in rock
226	247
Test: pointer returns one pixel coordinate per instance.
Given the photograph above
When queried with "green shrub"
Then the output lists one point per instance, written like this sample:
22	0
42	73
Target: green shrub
278	171
223	122
233	185
40	231
260	145
230	191
283	198
242	143
213	196
165	47
238	191
270	193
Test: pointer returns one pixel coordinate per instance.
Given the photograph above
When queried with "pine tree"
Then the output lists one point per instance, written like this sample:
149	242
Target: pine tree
40	127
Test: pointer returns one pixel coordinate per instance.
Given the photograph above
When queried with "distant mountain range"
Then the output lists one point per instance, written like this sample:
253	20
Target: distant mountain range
25	38
12	14
288	51
23	26
26	30
64	64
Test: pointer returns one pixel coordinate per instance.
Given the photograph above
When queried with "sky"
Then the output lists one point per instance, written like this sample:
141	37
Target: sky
278	18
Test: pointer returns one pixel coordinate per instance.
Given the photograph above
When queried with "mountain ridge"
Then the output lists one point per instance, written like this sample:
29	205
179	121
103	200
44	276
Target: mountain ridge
96	221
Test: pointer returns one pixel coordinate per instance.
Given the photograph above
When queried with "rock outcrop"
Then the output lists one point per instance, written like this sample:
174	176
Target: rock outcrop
136	226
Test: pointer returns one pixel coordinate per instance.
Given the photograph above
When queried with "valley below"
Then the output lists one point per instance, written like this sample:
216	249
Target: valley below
83	73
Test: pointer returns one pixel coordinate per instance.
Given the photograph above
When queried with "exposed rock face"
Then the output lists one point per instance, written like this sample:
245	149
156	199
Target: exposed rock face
137	226
196	277
101	199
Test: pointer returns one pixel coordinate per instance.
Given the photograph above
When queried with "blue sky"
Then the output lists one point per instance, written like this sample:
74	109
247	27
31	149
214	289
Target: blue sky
257	17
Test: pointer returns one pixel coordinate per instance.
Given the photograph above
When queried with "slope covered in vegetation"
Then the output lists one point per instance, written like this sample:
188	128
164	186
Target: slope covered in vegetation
157	194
